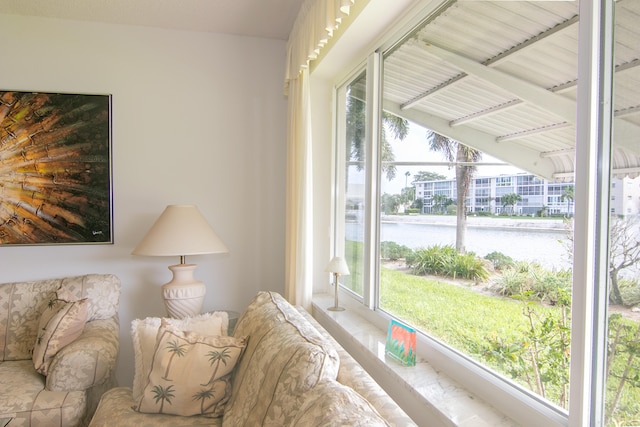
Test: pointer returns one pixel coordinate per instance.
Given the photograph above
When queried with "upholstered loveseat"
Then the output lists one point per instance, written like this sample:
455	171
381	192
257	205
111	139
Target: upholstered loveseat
78	368
291	373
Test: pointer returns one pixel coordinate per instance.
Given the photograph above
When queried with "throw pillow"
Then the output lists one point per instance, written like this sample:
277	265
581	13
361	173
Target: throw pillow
145	331
190	373
61	322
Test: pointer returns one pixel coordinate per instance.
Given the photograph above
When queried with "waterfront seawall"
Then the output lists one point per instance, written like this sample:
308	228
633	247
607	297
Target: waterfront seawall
521	223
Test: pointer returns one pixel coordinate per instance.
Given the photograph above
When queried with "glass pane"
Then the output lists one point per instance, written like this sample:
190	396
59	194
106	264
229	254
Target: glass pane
474	251
497	298
354	183
623	365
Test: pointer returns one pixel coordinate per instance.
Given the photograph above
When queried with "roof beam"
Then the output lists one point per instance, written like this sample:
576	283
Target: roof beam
528	92
496	59
524	158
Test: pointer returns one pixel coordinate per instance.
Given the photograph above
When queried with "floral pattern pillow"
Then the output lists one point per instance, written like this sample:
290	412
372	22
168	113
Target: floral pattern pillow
60	324
190	373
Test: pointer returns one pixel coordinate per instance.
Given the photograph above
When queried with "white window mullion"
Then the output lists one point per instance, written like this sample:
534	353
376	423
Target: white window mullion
591	223
373	123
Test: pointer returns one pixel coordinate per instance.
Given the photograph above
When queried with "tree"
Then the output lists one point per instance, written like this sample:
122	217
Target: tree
217	357
202	395
510	199
407	195
389	203
462	155
355	145
567	194
440	201
624	252
428	176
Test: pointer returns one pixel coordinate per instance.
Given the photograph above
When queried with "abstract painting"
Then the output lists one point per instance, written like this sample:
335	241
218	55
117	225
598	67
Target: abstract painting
55	168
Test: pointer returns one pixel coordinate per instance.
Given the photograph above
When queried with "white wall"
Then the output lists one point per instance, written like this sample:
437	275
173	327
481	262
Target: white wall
197	118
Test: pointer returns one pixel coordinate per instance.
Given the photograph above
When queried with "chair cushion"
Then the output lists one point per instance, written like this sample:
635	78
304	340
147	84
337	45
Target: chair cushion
190	373
284	359
24	399
116	409
333	404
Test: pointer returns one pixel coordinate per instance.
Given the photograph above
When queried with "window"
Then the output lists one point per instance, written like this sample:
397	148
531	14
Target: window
393	170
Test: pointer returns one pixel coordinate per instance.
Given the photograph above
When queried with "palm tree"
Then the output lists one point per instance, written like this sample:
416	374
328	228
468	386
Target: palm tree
568	195
175	350
439	201
510	200
202	395
355	145
216	357
163	394
462	155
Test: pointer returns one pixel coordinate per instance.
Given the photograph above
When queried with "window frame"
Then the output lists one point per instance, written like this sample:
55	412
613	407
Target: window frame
587	371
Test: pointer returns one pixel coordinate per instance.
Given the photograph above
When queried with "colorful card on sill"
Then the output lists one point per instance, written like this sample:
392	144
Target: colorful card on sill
401	343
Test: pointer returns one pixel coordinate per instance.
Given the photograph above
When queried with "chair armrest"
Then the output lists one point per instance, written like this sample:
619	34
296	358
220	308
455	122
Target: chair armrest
89	360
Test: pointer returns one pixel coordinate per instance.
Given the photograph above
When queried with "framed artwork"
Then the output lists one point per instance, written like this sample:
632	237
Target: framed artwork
401	343
55	169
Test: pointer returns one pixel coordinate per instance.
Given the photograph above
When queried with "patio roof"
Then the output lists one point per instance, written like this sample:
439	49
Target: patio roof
501	77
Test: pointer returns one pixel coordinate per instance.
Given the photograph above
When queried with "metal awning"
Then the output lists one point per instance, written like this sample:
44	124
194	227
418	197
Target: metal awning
501	77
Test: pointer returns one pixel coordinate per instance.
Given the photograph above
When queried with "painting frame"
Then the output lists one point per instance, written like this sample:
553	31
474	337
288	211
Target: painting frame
56	168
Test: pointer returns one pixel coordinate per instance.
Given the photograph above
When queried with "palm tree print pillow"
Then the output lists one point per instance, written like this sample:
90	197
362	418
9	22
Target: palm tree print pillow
190	373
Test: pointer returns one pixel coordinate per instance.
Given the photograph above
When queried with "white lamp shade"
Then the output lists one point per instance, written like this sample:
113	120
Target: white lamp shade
338	265
180	230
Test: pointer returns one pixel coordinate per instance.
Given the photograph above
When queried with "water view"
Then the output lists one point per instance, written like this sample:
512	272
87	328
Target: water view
544	246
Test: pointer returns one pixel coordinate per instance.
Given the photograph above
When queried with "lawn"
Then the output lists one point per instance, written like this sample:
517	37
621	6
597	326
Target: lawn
482	326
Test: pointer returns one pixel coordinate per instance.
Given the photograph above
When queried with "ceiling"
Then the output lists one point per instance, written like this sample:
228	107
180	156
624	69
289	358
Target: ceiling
501	77
256	18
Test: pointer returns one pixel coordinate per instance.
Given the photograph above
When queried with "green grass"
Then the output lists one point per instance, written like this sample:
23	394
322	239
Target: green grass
455	314
473	322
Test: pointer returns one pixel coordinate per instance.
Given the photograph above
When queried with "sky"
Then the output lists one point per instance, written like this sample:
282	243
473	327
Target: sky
415	147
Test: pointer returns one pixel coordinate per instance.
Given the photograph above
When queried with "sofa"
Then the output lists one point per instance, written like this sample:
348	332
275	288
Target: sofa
289	372
58	349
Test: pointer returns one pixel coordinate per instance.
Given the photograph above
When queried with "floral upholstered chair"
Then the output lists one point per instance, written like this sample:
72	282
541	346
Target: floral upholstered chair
58	348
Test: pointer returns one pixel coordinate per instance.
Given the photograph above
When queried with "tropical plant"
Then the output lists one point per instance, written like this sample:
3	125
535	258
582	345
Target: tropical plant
568	195
355	133
464	157
510	199
428	176
393	251
440	202
447	262
499	260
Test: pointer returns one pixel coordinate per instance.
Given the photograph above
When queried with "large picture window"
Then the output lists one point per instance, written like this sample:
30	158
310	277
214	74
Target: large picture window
461	199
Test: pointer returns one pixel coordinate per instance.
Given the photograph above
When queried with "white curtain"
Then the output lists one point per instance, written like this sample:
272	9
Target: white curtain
314	26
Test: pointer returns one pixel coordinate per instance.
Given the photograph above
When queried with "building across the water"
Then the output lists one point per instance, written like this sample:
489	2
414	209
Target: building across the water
536	196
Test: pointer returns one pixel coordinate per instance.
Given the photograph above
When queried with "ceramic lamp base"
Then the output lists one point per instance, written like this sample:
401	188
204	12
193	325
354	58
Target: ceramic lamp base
183	295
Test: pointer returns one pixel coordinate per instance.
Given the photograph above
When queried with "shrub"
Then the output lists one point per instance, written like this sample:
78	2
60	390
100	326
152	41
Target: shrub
446	261
499	260
630	291
393	251
526	280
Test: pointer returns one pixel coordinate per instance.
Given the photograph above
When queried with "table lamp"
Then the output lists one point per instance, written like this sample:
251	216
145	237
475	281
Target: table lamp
337	266
181	230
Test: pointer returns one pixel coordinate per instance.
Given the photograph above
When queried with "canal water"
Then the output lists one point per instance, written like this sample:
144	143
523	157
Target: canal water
548	247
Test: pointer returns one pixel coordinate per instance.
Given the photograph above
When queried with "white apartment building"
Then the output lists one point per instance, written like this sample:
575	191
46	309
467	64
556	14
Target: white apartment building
538	195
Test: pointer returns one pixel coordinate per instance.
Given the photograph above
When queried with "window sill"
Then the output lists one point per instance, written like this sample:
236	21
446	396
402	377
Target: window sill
422	392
